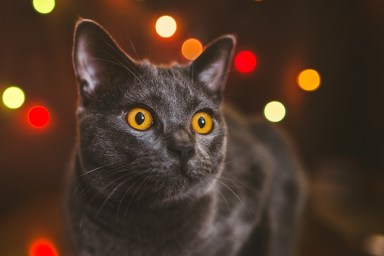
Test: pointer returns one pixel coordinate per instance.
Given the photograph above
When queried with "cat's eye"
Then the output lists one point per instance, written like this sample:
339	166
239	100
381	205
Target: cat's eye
202	123
140	119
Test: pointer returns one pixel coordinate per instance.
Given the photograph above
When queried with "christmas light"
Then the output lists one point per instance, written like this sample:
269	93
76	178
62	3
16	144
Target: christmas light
38	116
13	97
309	80
42	247
274	111
166	26
245	61
191	48
43	6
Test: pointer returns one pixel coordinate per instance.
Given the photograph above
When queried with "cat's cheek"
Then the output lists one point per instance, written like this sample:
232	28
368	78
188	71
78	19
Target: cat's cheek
216	146
212	144
148	140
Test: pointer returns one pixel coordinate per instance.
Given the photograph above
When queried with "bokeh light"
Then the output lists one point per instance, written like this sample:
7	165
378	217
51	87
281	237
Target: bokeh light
375	244
38	116
309	80
166	26
44	6
274	111
191	48
245	61
42	247
13	97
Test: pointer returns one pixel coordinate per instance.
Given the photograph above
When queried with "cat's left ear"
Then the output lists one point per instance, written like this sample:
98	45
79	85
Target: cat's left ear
210	69
97	59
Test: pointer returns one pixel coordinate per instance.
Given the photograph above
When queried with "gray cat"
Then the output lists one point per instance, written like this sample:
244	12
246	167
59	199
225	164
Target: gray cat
163	168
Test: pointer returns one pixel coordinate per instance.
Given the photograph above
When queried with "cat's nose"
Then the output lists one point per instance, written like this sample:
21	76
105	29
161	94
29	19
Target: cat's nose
183	150
181	144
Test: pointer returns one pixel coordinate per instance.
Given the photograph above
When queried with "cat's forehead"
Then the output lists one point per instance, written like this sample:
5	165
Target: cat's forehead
169	89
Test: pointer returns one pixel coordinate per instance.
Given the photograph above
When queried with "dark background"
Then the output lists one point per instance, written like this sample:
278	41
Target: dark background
338	129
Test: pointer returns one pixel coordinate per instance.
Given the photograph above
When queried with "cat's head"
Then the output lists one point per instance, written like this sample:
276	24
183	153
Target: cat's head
149	132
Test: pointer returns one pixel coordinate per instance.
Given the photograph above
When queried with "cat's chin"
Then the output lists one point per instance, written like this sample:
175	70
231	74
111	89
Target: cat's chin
175	188
188	181
189	173
192	190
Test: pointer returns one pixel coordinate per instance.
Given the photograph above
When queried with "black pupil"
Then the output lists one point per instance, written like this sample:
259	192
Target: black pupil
139	118
201	122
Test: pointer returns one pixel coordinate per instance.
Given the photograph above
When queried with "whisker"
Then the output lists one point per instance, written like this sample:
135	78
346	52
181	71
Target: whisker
122	66
222	196
77	178
91	171
82	217
120	54
234	193
113	191
141	185
127	177
107	176
123	198
124	63
238	184
105	201
133	48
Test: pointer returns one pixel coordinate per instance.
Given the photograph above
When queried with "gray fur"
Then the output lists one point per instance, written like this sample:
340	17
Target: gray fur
237	194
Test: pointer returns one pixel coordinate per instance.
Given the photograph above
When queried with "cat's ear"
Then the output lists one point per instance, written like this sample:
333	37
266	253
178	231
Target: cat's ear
210	69
97	59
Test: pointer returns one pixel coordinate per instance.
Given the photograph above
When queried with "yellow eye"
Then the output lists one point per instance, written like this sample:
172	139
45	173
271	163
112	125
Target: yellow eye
140	119
202	123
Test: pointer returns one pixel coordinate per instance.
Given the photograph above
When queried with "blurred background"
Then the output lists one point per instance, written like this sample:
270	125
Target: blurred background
320	63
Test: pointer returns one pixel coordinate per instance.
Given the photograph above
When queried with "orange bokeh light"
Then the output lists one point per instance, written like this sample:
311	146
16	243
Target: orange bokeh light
42	247
309	80
191	48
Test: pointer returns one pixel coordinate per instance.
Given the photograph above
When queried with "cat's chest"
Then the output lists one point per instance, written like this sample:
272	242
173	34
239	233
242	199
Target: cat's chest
221	239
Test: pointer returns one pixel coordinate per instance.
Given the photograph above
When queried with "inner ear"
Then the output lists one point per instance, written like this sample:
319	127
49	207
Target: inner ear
210	69
97	58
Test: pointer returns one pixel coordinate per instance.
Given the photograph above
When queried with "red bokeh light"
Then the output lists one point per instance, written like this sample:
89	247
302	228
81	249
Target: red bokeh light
38	116
245	61
42	247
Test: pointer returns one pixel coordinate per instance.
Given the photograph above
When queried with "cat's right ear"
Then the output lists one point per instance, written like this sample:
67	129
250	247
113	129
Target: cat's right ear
211	68
97	59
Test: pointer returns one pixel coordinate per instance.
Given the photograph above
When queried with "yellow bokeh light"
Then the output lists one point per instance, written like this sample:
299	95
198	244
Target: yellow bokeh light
166	26
13	97
191	48
44	6
274	111
309	80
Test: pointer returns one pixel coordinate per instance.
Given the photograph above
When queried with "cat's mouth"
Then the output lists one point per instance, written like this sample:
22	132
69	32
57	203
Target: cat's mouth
190	172
185	171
